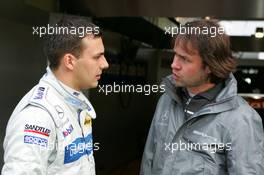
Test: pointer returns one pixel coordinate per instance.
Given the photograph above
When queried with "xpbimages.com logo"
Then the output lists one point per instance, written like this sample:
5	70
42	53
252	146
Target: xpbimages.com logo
210	147
123	88
62	30
189	30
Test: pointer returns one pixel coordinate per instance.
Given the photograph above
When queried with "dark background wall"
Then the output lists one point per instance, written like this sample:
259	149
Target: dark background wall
21	65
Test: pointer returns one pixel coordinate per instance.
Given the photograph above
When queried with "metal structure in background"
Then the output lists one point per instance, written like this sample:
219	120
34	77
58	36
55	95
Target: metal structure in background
246	9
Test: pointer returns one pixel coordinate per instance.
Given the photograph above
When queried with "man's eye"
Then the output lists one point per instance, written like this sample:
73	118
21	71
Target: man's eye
183	58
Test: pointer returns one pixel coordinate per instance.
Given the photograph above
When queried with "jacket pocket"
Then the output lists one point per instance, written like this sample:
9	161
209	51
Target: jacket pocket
208	148
186	163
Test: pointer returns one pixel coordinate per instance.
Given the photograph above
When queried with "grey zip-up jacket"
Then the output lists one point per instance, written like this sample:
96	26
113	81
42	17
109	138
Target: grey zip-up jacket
223	137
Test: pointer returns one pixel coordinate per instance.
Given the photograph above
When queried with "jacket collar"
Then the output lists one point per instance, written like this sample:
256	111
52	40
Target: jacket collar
224	100
71	97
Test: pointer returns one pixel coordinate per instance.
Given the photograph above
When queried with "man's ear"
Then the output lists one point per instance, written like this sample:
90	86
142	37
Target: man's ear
69	61
207	70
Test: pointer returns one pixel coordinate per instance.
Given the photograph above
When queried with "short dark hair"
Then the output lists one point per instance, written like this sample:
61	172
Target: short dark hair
214	50
66	38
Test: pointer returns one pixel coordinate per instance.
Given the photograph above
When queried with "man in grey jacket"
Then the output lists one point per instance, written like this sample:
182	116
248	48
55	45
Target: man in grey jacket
201	126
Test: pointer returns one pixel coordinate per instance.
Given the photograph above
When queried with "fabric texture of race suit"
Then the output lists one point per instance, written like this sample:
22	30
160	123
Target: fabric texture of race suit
223	137
50	132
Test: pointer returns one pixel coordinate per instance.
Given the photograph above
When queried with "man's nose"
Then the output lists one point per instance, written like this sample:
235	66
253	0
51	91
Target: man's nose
176	63
104	64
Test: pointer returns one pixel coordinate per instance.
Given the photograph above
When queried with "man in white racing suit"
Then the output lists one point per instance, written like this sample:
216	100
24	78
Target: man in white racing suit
50	130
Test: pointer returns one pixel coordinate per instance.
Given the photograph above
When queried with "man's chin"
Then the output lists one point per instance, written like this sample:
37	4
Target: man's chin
179	84
92	85
95	84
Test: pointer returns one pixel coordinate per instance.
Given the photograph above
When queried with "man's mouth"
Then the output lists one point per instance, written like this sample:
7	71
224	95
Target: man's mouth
175	76
98	76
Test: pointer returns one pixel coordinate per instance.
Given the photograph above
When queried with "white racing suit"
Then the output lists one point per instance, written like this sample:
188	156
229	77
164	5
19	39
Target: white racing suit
50	132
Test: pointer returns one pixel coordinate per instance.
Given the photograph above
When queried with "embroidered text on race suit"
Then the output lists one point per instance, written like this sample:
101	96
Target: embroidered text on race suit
37	129
35	140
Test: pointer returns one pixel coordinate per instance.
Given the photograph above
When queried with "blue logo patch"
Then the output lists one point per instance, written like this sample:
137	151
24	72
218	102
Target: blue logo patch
35	140
78	148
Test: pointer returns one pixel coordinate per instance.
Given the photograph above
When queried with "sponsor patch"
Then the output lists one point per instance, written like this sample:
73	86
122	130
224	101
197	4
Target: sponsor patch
37	129
78	148
39	94
164	118
67	131
29	139
76	94
87	121
85	118
204	135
